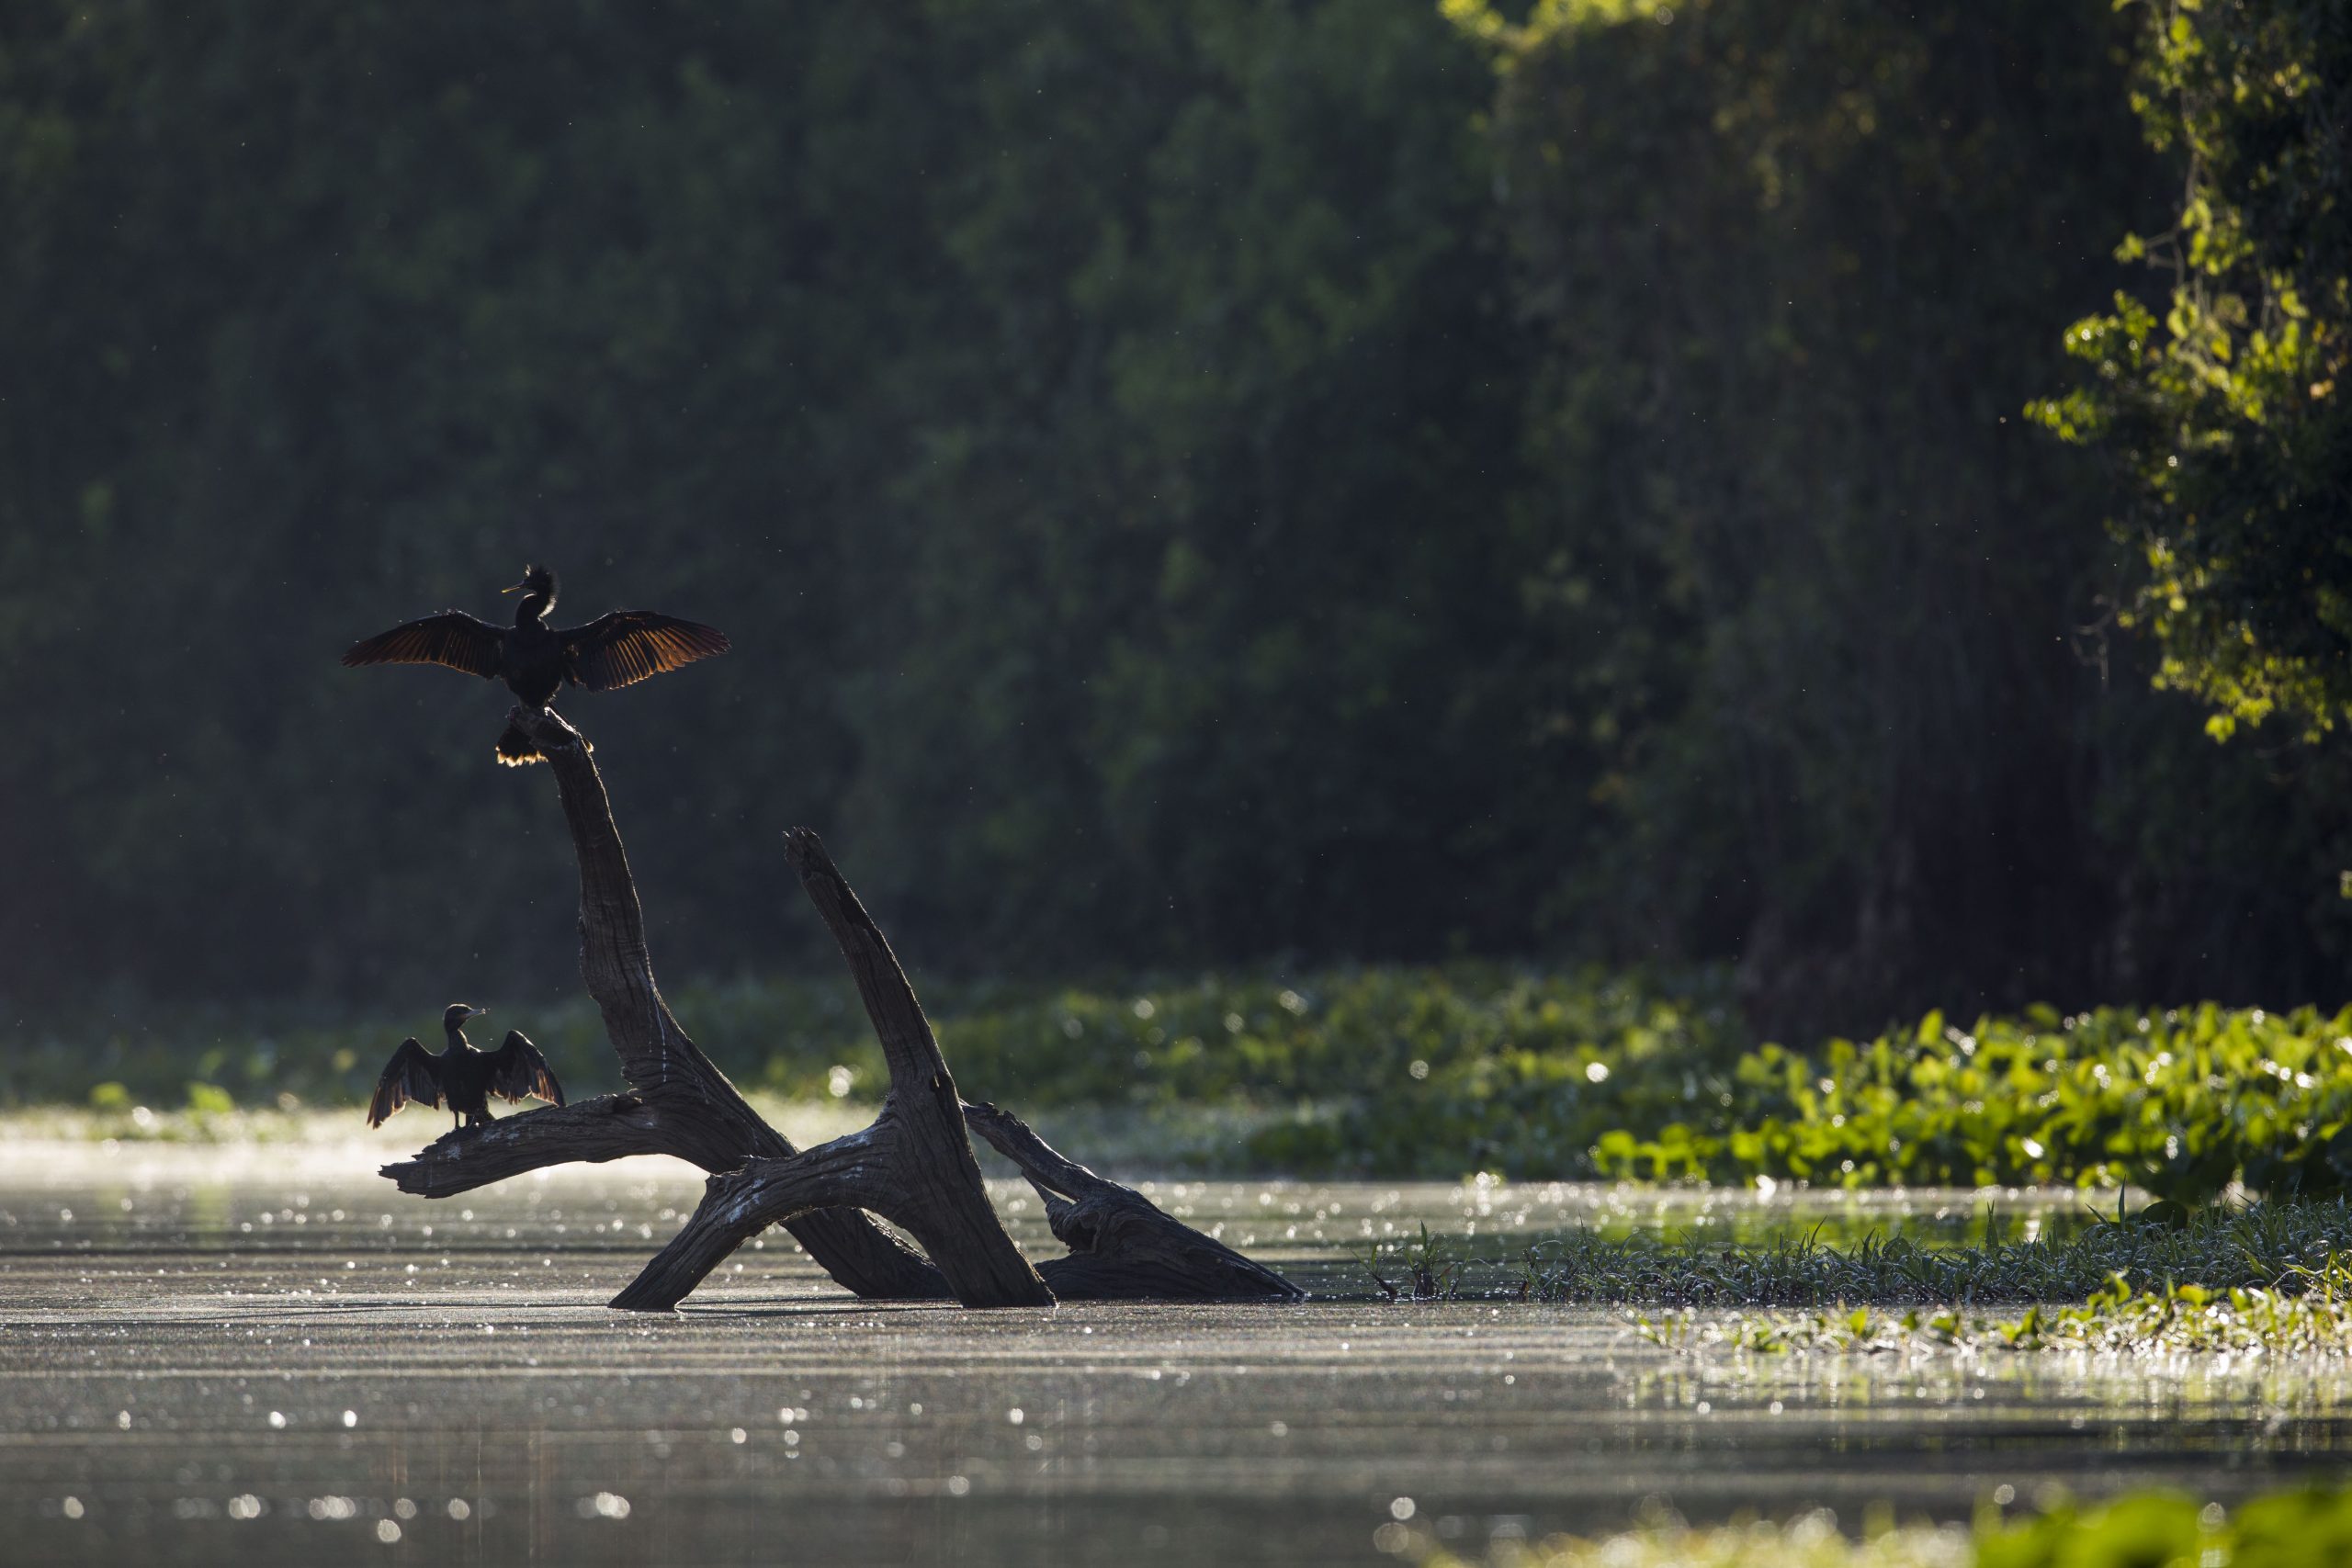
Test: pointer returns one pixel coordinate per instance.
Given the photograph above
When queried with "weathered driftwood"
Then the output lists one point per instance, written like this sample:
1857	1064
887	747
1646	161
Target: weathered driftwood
1122	1245
683	1104
913	1165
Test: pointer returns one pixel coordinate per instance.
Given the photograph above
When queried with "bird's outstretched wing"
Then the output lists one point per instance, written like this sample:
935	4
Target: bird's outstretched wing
408	1076
517	1070
452	637
626	645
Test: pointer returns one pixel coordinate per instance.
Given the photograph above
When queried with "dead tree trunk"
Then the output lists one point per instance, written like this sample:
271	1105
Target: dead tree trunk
683	1105
913	1165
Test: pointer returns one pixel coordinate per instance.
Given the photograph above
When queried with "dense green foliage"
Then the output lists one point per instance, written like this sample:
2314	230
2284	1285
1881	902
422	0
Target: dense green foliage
1435	1072
1789	649
1191	484
1059	406
2299	1528
2180	1103
2221	403
1388	1037
1558	1080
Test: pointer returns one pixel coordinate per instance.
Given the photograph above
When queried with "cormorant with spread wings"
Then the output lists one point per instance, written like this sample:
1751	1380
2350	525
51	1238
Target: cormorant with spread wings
536	660
462	1077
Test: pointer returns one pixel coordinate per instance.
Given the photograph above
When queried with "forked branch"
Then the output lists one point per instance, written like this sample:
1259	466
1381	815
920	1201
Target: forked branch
688	1108
913	1165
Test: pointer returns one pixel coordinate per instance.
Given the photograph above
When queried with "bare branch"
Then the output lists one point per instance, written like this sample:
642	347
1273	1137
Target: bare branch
611	1126
908	1044
739	1204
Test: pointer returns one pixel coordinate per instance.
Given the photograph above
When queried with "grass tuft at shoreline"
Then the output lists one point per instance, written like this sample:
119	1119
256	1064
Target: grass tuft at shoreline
2263	1244
2283	1250
2308	1313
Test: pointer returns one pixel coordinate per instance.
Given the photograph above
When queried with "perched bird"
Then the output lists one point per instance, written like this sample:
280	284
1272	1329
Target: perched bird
462	1076
536	660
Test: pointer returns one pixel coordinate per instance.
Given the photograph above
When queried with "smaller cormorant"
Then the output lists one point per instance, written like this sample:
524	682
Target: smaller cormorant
462	1076
535	660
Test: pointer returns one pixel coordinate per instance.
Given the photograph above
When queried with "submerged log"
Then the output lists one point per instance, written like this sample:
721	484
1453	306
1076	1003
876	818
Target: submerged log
913	1165
1122	1245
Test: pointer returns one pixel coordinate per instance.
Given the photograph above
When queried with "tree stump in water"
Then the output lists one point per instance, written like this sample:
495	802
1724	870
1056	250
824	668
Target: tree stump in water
913	1165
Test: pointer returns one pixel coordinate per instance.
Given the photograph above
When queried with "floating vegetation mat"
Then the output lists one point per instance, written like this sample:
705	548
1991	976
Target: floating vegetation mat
1811	1542
2149	1530
2284	1249
2309	1314
1399	1071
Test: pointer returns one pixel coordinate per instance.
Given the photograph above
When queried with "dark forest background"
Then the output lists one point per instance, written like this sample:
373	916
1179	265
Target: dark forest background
1189	482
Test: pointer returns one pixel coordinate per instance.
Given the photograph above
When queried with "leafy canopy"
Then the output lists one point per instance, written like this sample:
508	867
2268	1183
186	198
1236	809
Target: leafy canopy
2222	403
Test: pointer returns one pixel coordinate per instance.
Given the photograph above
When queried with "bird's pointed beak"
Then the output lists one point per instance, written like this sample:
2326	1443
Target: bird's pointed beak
511	588
476	1012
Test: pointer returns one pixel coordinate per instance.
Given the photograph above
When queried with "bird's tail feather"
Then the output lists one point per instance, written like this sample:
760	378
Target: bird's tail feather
516	749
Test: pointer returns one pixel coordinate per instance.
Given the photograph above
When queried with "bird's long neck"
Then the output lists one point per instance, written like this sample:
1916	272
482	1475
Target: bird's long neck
457	1041
534	608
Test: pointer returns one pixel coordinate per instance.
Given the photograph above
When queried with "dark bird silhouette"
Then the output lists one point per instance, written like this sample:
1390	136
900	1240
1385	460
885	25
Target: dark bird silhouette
535	660
461	1076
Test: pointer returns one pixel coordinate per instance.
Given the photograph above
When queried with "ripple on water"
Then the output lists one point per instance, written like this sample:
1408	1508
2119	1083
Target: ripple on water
280	1359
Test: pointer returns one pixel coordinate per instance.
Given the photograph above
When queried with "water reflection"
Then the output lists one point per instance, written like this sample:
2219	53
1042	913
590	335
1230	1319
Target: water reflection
242	1200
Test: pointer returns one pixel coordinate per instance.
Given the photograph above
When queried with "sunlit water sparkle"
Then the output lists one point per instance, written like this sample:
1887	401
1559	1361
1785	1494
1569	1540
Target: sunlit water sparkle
274	1356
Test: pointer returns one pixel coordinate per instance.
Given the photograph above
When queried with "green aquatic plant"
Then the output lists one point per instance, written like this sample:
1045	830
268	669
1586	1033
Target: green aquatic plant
2307	1528
2307	1313
1304	1052
2281	1248
1436	1072
1810	1540
2180	1103
1432	1268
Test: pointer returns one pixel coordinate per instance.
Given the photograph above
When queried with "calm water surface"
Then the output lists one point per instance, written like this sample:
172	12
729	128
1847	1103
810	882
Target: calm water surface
273	1357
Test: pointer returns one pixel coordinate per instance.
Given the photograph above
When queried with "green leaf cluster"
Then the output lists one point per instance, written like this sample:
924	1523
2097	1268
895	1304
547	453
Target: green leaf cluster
2298	1529
2218	400
2179	1102
1789	271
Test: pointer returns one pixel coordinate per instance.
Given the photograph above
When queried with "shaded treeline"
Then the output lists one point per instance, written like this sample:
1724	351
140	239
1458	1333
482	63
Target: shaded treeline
1188	483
